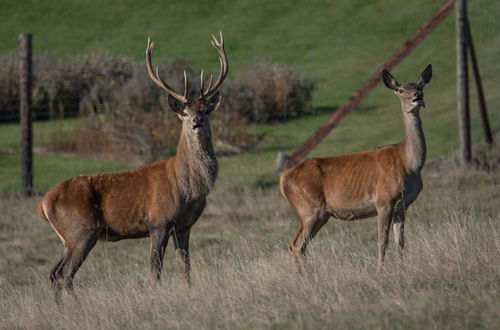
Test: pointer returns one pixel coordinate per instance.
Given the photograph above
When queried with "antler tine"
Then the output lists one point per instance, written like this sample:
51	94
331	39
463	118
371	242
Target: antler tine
202	84
186	86
209	84
156	78
219	45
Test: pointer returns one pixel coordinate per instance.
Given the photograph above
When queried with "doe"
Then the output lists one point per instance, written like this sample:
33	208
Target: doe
379	182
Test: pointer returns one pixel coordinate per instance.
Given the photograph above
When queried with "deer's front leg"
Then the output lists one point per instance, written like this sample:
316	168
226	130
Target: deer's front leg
181	244
159	240
399	230
384	223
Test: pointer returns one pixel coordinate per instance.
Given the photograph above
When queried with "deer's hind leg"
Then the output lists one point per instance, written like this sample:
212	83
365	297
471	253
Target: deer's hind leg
62	274
55	277
76	255
310	224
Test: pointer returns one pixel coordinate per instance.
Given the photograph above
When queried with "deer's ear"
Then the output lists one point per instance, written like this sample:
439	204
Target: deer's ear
176	105
425	76
214	102
389	80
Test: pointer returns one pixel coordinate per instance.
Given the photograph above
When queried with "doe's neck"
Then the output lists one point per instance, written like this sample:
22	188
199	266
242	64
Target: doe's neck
414	141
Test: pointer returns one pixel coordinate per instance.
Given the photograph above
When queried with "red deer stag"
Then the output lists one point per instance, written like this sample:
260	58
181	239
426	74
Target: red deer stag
156	200
383	181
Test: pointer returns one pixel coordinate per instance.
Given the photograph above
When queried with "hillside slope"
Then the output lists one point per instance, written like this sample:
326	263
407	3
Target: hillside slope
339	43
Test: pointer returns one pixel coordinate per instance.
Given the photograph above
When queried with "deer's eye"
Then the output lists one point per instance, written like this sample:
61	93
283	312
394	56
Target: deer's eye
400	91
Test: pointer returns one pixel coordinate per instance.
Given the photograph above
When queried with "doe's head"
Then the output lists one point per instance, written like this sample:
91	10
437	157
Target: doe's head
411	95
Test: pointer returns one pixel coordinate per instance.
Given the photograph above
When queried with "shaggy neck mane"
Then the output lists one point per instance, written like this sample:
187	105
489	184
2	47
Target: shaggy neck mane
196	166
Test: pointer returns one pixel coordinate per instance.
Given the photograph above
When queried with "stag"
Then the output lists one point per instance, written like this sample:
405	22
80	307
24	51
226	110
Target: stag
161	199
379	182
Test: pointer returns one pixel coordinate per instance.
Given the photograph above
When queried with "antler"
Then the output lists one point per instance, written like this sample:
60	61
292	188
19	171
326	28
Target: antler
219	45
159	82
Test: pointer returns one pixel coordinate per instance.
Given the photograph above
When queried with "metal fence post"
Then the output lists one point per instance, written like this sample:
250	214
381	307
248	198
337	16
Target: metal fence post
483	111
25	84
463	82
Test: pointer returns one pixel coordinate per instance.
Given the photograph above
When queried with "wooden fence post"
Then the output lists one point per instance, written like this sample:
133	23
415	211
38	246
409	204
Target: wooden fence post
463	82
25	84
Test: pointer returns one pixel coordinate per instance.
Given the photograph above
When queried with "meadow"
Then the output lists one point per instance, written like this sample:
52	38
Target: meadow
242	274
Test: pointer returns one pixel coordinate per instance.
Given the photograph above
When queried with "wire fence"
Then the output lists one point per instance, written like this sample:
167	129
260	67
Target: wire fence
92	83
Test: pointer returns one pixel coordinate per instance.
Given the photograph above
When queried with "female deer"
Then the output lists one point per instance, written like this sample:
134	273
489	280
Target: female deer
383	181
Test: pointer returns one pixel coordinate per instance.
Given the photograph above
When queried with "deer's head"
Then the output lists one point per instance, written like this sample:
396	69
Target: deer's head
193	113
411	95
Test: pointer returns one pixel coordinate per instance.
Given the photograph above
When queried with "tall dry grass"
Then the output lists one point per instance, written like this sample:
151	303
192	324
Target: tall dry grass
243	277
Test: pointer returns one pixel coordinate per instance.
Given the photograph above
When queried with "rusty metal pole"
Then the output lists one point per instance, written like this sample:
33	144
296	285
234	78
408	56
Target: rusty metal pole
463	82
285	161
479	87
25	84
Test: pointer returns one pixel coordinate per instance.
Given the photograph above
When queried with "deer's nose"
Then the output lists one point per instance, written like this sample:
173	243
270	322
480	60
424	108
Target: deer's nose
197	120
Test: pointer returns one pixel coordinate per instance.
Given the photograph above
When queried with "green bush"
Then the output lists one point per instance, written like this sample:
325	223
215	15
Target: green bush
126	117
268	92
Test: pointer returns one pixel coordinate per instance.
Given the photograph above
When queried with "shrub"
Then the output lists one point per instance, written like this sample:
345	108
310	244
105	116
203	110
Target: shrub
9	87
268	92
60	87
126	117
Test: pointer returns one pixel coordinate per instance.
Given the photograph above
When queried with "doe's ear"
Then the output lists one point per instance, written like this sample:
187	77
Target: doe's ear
389	80
176	105
425	76
214	102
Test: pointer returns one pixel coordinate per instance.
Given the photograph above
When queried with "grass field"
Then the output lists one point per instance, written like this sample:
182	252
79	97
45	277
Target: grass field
242	275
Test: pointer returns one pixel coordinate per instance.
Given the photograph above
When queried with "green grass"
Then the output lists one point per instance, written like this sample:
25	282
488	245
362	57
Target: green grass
339	43
48	169
10	134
